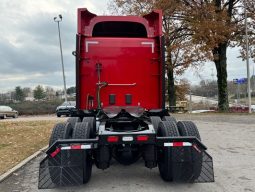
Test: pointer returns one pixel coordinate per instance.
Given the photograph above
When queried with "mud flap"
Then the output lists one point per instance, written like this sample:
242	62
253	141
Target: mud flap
191	164
61	170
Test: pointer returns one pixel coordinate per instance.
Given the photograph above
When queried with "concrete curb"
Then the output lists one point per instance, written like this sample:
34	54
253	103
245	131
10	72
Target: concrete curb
21	164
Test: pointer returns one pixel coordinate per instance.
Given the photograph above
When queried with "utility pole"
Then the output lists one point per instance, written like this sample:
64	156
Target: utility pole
212	75
253	80
190	101
247	58
238	93
59	19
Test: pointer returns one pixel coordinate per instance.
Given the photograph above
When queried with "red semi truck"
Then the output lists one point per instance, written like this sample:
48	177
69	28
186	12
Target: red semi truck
120	101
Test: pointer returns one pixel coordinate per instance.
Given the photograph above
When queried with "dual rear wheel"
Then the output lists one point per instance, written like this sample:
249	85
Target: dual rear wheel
72	129
190	168
82	130
86	129
166	154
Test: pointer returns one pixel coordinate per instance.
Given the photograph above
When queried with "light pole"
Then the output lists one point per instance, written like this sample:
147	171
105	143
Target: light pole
59	19
190	101
247	57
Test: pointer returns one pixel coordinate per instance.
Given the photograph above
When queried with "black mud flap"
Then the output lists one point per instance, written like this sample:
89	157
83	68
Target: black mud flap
61	170
191	164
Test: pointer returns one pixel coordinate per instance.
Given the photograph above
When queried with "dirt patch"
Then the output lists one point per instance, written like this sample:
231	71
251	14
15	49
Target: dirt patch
20	139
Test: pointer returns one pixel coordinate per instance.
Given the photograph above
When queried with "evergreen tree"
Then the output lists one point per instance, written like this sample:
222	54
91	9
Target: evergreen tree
19	94
39	93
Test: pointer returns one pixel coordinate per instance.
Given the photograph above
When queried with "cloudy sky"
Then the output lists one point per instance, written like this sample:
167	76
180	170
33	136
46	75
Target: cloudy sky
236	69
29	46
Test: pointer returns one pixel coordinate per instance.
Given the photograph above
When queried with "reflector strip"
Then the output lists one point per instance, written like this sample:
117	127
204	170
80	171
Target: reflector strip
66	148
76	147
196	147
53	154
178	144
90	42
151	44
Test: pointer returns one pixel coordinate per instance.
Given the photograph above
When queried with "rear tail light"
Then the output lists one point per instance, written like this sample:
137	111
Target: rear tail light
112	139
142	138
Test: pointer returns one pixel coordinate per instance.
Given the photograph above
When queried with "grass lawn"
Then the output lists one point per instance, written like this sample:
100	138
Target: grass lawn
18	140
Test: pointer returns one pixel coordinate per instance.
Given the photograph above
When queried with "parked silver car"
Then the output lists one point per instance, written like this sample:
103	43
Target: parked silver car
6	111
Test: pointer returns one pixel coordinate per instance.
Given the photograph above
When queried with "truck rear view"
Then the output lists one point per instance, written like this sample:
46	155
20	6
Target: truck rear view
121	56
121	115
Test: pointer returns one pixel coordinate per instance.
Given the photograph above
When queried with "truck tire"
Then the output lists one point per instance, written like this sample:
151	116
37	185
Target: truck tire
192	169
60	131
73	121
165	154
102	157
155	120
188	128
92	124
83	131
169	118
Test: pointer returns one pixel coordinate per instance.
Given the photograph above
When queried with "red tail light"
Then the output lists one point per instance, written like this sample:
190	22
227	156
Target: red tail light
112	139
142	138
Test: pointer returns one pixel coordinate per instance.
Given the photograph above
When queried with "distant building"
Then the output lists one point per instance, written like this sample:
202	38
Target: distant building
29	98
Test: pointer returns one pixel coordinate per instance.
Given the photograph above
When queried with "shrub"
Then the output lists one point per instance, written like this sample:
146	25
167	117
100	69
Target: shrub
35	107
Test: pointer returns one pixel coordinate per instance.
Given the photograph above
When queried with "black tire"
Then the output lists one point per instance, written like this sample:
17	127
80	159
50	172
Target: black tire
155	120
83	131
192	169
166	154
73	121
188	128
92	124
169	118
60	131
58	115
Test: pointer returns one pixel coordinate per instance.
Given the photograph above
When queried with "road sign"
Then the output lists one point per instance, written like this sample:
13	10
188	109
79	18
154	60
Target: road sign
240	81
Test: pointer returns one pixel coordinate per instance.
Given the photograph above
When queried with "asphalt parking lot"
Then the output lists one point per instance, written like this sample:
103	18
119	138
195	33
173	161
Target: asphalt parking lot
230	140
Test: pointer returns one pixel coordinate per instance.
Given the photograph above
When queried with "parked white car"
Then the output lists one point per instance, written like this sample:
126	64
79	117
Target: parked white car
6	111
253	108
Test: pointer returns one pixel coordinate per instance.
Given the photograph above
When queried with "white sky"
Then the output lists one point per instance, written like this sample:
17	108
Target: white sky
29	46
